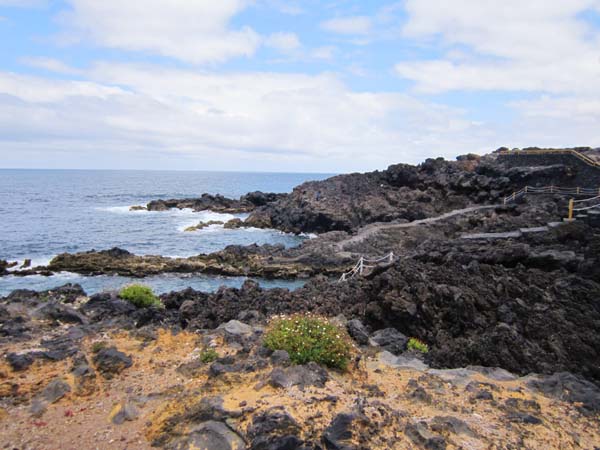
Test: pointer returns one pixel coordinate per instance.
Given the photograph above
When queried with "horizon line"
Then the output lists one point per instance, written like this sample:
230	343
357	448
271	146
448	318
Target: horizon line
166	170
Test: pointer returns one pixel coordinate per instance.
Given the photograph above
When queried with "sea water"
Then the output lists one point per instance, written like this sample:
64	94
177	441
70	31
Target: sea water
47	212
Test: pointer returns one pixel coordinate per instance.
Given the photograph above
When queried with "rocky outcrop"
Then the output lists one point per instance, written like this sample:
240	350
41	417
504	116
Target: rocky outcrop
255	261
144	369
217	203
474	303
405	192
203	225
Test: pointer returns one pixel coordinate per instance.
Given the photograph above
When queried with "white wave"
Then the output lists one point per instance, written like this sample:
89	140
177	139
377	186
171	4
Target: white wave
35	262
118	209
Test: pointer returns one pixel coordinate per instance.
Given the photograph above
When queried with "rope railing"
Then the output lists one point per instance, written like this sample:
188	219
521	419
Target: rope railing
587	199
586	159
551	190
573	210
587	208
360	266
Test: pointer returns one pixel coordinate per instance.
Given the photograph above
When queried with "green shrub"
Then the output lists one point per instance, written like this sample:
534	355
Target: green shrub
209	355
418	345
307	339
97	346
141	296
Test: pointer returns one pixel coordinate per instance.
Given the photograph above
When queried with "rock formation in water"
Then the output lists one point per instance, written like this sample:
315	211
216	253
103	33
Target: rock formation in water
217	203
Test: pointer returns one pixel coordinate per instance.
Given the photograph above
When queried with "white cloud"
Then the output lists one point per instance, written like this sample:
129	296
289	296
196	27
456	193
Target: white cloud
284	42
534	47
357	25
326	52
291	8
234	121
50	64
191	31
23	3
512	45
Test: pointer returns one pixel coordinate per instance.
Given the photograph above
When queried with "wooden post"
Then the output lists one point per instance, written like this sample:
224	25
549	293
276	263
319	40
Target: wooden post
571	205
551	189
526	189
391	257
578	190
360	267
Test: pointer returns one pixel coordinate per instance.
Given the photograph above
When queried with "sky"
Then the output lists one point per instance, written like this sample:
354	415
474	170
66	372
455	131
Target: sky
292	86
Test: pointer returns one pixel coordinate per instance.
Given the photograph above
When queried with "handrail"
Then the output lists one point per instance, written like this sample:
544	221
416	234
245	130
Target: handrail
586	159
360	266
551	190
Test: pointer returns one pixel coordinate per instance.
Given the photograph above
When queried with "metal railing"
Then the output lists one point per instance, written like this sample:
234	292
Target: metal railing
366	263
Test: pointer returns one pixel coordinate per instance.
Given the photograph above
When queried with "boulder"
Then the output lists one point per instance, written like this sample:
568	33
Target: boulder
110	362
568	387
236	331
390	339
19	361
210	435
274	429
55	390
84	376
234	224
124	411
280	358
310	374
60	312
338	435
236	328
419	433
358	331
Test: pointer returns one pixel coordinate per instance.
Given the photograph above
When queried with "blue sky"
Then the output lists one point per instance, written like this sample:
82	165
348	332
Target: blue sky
325	86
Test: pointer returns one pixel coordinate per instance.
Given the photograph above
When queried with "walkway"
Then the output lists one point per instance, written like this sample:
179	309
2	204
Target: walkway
374	228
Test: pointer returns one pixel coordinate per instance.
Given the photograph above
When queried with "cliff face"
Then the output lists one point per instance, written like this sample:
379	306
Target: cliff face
405	192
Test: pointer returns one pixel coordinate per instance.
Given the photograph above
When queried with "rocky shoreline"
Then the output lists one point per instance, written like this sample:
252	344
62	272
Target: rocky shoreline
504	295
113	374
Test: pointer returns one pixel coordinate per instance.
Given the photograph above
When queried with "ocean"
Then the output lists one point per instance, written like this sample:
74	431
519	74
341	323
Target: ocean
48	212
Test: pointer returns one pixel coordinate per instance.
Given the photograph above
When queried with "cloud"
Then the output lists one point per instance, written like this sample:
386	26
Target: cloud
288	7
326	52
510	45
23	3
192	31
544	51
284	42
234	121
357	25
50	64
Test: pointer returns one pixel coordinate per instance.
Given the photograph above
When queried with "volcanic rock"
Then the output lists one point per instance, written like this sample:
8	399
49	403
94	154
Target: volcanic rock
390	339
111	362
